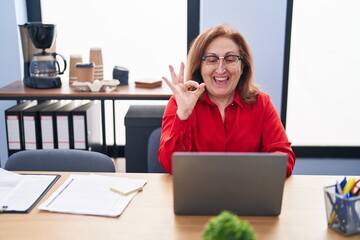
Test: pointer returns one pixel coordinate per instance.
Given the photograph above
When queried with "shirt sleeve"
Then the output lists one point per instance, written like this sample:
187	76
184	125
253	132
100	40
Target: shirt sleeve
274	138
175	135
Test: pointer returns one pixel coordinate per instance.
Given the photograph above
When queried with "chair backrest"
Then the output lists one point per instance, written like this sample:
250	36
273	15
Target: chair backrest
153	163
62	160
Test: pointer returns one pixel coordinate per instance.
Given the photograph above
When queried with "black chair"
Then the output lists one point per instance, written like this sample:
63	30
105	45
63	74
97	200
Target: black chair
60	160
153	163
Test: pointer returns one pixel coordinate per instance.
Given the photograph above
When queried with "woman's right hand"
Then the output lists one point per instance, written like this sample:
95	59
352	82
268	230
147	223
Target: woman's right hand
186	93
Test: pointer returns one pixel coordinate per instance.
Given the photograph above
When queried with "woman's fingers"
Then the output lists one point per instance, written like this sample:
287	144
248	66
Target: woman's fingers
177	78
181	73
174	77
200	90
169	83
191	85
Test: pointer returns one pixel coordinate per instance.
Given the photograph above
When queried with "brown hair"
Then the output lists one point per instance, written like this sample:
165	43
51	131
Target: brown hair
246	86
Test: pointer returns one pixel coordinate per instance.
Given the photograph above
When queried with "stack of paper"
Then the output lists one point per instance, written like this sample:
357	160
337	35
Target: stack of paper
93	195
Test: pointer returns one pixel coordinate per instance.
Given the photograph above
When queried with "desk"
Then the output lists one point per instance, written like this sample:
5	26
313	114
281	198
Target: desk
150	216
18	91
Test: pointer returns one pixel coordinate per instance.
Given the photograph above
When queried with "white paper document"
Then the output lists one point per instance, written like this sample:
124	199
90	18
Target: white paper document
19	193
92	195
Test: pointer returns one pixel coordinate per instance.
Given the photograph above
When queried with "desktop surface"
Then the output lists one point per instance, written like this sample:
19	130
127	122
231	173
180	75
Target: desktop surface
17	91
150	215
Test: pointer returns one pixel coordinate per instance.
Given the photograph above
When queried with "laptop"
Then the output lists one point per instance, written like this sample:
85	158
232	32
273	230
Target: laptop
249	184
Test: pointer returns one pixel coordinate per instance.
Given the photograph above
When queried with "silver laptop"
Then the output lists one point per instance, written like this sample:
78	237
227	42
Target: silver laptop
245	183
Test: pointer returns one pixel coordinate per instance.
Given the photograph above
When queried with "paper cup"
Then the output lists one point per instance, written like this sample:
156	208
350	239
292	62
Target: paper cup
74	59
85	72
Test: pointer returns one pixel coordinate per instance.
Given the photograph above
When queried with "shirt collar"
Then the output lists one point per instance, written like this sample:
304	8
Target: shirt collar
237	99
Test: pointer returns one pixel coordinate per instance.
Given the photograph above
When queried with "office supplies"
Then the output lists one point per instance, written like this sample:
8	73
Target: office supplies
20	193
14	126
91	195
86	127
32	129
127	186
355	190
244	183
339	207
64	124
48	125
342	211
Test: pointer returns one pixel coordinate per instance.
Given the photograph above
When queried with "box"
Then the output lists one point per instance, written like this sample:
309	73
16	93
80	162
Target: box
342	212
140	122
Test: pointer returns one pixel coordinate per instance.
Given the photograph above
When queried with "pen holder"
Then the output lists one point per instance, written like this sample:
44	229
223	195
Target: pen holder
342	212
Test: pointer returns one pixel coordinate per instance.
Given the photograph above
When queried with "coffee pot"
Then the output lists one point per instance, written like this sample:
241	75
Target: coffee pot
45	65
41	68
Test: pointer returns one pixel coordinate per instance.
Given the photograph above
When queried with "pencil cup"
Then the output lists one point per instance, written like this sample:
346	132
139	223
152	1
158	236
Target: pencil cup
74	59
85	72
342	212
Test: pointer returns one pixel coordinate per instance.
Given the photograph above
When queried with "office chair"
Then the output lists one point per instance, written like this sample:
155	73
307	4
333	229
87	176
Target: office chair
61	160
153	163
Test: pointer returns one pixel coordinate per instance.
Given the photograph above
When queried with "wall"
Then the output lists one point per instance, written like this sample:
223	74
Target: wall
262	23
10	65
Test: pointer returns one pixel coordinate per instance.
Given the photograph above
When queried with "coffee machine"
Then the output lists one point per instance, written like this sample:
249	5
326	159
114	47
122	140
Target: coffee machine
41	67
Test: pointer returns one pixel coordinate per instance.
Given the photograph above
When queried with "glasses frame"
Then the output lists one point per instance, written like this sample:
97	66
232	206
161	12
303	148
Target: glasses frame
219	59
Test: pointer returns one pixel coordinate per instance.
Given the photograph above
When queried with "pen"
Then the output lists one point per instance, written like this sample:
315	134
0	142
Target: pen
349	184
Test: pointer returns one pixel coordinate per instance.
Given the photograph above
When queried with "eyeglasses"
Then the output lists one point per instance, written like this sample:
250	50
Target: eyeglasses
214	61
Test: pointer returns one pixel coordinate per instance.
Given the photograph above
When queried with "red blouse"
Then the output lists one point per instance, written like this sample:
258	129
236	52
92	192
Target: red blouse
246	128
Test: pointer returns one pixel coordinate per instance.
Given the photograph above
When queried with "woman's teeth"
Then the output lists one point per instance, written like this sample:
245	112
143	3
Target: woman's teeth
220	79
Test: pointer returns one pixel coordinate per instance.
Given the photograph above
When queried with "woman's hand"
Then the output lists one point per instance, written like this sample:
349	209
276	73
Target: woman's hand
186	93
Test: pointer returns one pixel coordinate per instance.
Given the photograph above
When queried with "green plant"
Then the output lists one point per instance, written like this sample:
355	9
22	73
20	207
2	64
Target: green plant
227	226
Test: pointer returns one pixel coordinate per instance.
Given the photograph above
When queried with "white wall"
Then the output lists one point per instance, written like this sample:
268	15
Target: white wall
262	23
10	57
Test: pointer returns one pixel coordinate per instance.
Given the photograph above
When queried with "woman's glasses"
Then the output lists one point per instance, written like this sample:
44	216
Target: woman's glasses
214	61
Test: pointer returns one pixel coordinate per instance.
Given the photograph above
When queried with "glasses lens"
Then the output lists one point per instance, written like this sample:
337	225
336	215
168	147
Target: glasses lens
215	60
229	59
211	60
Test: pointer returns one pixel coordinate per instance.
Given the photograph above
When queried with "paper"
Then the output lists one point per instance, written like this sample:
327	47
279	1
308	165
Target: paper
18	193
91	195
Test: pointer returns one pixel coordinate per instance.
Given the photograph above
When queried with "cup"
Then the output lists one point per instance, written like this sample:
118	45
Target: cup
96	58
74	59
85	72
121	74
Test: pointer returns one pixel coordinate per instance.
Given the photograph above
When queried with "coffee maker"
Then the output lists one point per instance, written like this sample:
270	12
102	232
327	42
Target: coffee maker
41	68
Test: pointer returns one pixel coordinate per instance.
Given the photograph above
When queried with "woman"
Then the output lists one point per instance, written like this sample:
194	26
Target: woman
216	107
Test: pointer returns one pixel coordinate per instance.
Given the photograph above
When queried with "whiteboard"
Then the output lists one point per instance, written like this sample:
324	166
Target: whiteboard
323	105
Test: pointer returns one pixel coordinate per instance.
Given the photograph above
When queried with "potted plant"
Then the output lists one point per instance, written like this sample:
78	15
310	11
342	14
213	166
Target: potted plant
227	226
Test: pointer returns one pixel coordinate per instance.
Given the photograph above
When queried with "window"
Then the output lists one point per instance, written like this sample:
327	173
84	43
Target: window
323	75
143	36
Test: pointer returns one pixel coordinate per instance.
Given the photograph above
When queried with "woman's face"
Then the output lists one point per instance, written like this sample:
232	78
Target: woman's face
221	76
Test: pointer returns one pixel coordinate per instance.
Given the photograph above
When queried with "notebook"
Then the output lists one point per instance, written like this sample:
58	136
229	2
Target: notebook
248	184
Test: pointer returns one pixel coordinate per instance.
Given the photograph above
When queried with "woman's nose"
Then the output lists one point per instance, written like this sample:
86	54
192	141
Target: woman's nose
221	66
